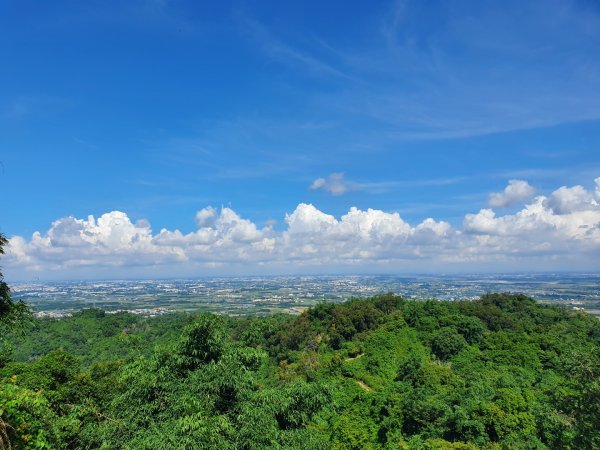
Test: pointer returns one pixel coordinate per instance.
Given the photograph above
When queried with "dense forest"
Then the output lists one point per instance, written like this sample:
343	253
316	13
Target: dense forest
501	372
381	373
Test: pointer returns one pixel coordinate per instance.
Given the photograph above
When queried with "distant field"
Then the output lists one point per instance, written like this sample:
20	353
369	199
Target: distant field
264	295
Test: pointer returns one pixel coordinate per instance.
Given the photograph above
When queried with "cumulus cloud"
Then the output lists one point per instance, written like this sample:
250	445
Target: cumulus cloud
566	200
554	232
516	191
206	216
334	184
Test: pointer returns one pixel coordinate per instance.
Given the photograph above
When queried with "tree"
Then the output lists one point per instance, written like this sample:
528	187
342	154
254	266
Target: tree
14	316
202	342
5	302
447	343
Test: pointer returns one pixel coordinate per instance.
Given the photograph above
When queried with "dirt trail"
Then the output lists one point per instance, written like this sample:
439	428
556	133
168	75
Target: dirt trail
355	357
364	386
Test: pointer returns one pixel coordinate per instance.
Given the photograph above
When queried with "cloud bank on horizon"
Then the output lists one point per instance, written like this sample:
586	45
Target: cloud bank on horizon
559	231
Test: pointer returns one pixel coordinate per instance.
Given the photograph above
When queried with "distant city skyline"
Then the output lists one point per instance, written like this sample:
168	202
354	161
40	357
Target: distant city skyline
163	139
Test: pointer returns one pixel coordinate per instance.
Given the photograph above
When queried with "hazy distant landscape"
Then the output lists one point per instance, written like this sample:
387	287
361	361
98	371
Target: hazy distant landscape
263	295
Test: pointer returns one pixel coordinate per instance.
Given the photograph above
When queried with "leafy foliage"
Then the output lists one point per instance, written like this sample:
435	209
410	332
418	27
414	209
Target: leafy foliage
382	373
14	316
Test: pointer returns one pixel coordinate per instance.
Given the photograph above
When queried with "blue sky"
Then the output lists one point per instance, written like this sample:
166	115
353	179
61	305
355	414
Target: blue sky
159	109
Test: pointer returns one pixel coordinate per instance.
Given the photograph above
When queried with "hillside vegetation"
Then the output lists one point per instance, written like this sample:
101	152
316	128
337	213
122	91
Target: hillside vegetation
382	373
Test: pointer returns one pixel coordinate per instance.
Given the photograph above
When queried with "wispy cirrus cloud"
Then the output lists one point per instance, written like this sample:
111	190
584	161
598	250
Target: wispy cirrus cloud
471	70
285	53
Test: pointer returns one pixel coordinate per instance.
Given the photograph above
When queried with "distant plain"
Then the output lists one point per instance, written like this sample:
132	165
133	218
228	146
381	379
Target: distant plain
265	295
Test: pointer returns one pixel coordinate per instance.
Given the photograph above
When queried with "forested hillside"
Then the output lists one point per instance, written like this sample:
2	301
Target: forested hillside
500	372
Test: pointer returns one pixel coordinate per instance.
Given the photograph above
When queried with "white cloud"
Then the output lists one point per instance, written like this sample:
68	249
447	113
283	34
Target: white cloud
558	231
206	216
516	191
566	200
334	184
307	219
318	183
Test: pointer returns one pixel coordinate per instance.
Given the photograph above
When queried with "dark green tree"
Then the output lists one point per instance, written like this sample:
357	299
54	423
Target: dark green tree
14	316
447	342
24	414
